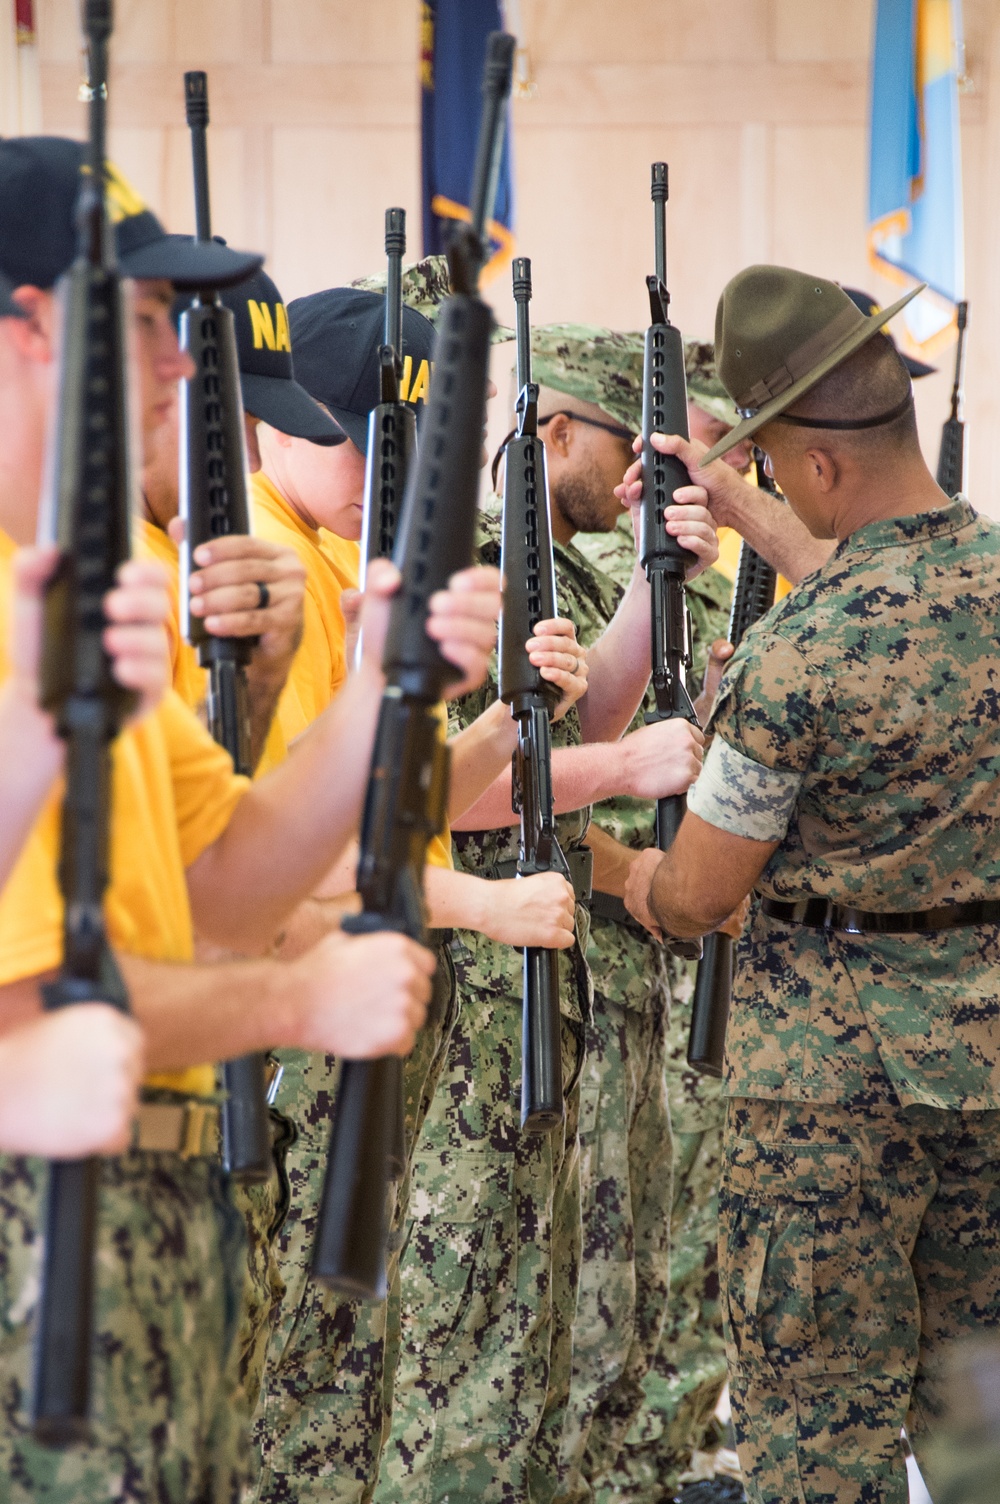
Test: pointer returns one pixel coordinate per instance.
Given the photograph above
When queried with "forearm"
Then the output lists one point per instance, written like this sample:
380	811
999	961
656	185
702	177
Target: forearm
771	527
31	756
290	827
611	861
191	1014
479	753
264	694
580	776
619	666
455	900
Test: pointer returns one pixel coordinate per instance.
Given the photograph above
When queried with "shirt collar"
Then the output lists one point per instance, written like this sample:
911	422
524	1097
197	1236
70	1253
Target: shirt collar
900	532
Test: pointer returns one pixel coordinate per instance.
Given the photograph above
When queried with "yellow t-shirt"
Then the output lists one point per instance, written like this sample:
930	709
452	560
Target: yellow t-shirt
174	792
320	666
189	678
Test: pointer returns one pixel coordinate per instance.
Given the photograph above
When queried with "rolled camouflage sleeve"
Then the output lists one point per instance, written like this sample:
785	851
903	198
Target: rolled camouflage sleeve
765	724
737	794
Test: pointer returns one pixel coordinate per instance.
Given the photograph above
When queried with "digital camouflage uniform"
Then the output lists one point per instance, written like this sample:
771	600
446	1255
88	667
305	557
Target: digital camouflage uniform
625	1122
860	1203
323	1399
317	1367
491	1257
682	1386
167	1425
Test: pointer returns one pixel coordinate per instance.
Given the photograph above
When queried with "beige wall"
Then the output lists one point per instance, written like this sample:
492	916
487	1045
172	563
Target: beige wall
759	106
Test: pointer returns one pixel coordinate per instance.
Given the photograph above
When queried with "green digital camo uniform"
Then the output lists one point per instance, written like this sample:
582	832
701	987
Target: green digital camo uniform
491	1259
625	1121
682	1387
683	1383
317	1367
167	1424
860	1204
323	1399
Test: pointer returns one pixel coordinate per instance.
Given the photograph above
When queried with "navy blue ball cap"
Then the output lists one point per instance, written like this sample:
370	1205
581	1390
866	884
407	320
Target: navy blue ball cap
869	307
267	369
336	335
8	308
39	191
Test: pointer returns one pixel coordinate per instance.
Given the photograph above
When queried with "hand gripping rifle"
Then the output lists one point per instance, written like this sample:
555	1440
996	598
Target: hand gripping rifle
951	460
406	796
529	596
392	425
664	410
753	597
213	504
90	514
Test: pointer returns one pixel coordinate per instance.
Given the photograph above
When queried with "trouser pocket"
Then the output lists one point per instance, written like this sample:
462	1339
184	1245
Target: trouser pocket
789	1234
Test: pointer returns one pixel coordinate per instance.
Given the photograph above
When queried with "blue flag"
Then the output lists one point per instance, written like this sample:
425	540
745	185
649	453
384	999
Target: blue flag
915	231
452	53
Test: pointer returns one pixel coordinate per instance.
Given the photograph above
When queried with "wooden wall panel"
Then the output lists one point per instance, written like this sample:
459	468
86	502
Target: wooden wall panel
760	107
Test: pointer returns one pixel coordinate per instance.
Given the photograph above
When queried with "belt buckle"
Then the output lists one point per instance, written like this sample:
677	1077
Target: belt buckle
196	1119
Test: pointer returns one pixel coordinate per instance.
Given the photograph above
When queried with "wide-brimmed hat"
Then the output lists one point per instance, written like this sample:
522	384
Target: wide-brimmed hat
778	332
267	368
868	305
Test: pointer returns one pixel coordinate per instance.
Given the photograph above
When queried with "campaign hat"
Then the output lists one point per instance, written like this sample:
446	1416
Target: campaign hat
778	332
868	305
267	366
39	193
336	335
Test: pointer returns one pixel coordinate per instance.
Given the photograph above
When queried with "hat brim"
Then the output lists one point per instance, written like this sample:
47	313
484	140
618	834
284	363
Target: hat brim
288	407
355	426
189	264
917	368
859	336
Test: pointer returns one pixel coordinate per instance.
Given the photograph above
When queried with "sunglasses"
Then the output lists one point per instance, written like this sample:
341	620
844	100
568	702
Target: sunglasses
614	428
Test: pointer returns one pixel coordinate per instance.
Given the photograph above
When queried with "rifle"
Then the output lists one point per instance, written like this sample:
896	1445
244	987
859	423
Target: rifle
664	410
528	568
392	448
214	503
406	797
392	425
88	513
951	460
753	597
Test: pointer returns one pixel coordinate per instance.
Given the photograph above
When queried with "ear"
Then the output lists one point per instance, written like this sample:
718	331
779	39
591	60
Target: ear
559	435
823	469
33	336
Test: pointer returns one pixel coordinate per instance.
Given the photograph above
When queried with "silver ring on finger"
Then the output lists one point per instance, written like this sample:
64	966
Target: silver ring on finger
263	596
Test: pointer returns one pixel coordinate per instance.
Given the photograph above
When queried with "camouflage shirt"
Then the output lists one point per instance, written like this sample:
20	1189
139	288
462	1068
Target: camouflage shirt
857	725
631	821
584	598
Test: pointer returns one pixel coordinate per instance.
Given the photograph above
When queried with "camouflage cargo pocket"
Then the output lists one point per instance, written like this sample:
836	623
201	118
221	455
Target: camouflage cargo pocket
458	1266
790	1223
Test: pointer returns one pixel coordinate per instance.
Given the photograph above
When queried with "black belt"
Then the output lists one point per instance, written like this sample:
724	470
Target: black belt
610	906
580	860
821	914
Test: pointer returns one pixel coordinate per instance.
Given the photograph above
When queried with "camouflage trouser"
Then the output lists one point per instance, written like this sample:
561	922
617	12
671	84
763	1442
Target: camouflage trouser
167	1425
856	1246
682	1388
328	1377
625	1162
491	1259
